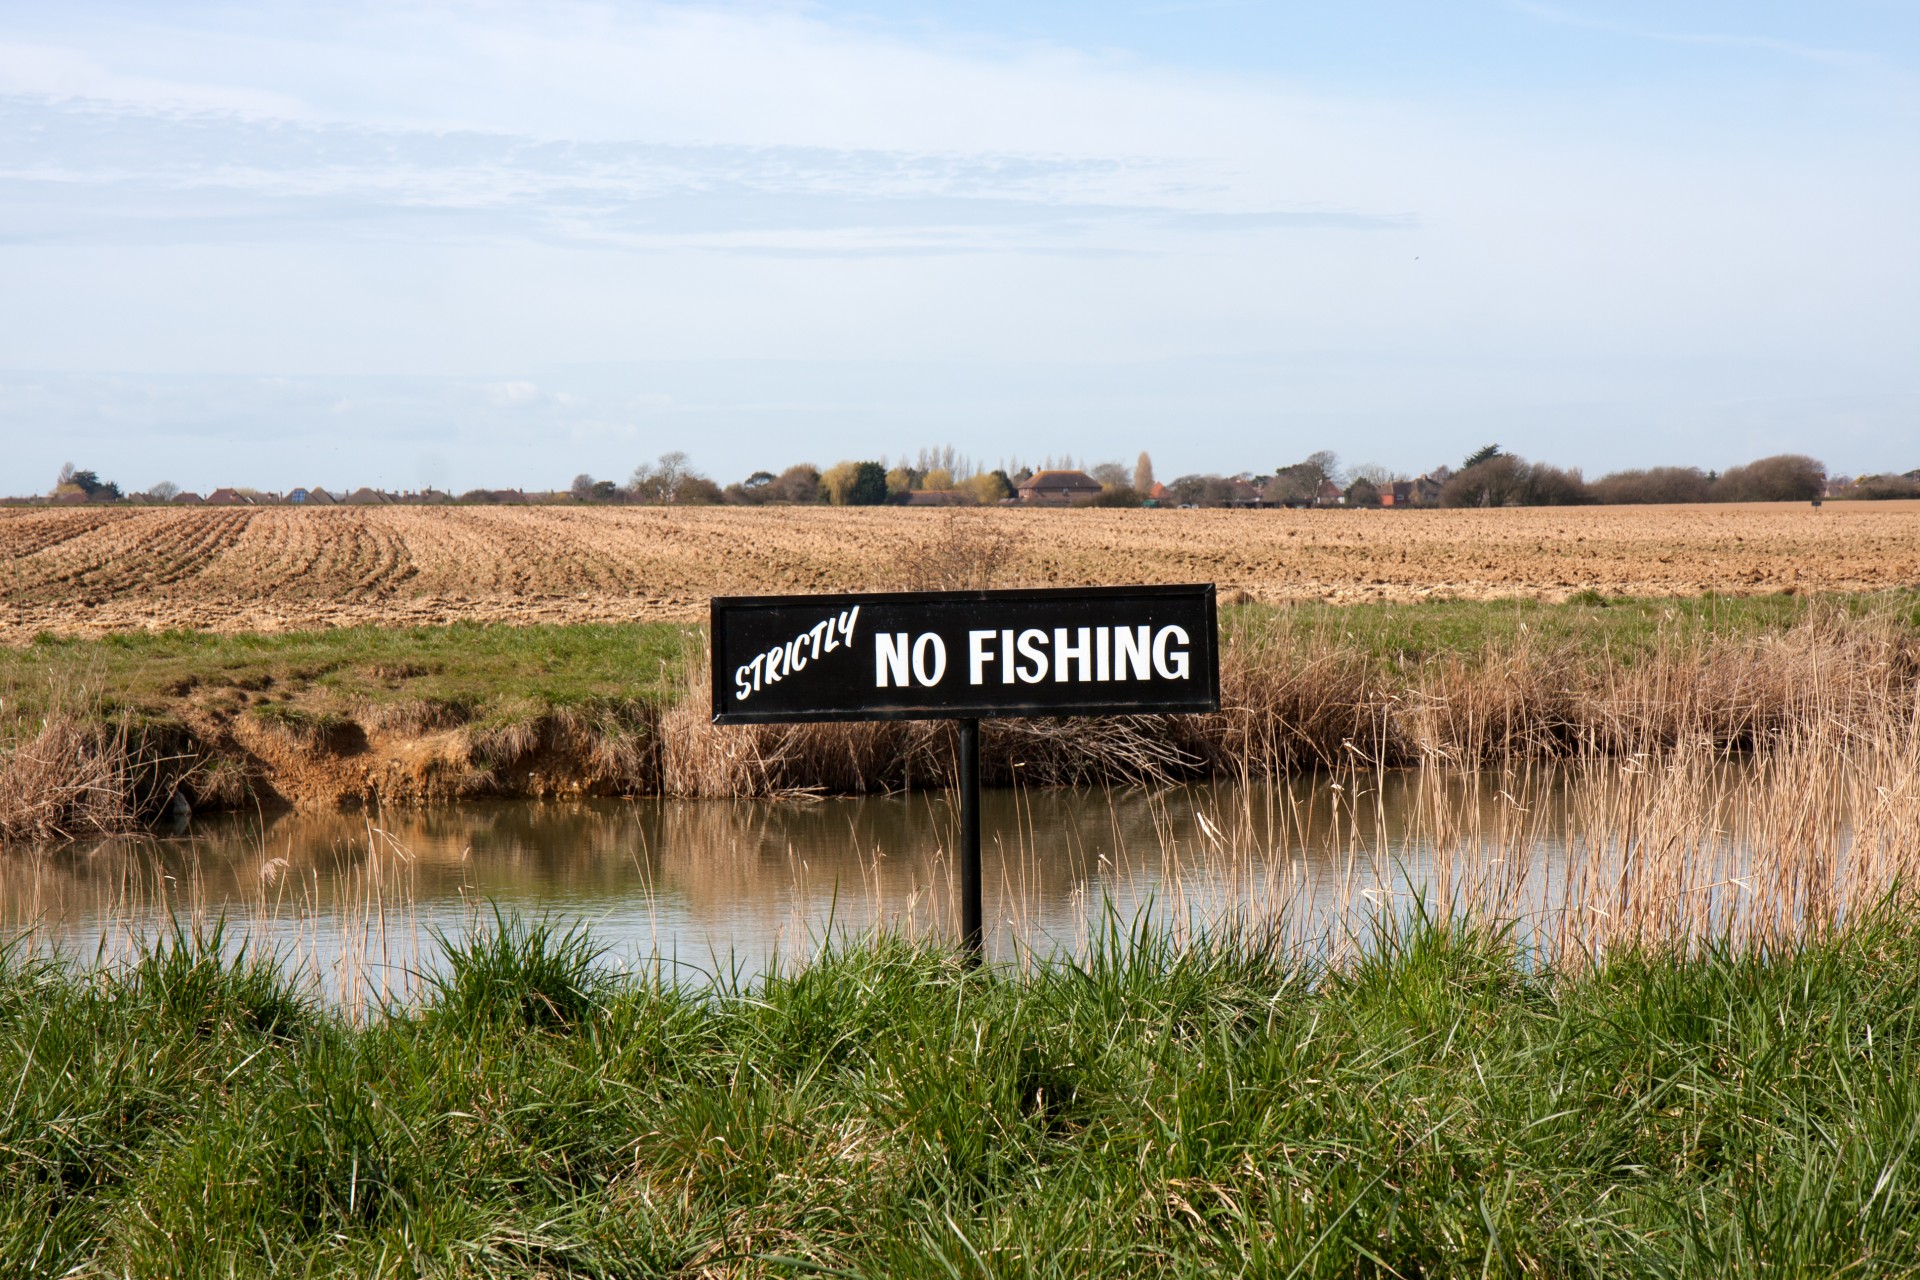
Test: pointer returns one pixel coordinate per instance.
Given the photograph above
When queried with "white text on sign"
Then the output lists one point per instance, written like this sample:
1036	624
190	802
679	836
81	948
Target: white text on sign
785	659
1069	655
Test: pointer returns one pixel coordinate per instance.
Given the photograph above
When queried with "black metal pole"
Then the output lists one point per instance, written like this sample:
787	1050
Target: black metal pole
971	931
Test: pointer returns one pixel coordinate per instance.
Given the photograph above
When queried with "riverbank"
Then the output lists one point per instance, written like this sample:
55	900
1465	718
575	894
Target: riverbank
106	733
1436	1107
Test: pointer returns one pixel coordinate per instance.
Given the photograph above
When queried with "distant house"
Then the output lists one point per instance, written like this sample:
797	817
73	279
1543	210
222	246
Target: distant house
1329	495
228	498
295	497
1397	493
365	497
318	497
1057	488
433	497
1159	496
188	499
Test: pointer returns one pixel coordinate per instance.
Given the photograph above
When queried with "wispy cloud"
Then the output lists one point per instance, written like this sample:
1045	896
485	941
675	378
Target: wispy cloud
87	172
1710	39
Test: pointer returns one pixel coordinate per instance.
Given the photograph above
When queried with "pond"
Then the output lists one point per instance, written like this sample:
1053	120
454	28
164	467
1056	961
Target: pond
710	888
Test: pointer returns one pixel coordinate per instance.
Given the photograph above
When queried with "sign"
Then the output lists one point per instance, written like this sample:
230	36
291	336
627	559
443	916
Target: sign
1078	651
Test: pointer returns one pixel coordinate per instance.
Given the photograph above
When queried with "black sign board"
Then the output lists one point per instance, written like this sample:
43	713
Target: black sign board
965	654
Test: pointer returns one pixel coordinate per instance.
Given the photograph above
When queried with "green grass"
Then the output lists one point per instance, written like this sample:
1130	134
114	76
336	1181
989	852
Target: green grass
1152	1111
1614	629
465	666
483	672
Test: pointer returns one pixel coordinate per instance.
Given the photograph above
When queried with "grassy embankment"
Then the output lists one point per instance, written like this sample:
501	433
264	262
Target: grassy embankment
1436	1108
425	714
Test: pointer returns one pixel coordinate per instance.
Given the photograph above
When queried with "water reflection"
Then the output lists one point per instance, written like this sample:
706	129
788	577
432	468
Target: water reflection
730	883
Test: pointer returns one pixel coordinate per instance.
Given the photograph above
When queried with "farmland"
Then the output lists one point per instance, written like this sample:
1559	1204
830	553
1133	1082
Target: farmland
405	655
106	570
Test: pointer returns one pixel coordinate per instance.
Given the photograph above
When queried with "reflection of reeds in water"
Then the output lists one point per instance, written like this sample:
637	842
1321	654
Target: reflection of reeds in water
1682	845
344	923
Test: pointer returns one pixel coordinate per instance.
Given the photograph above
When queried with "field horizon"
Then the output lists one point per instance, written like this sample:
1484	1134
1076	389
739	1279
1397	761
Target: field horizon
93	572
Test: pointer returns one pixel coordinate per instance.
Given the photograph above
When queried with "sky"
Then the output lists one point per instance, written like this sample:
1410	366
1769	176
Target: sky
498	244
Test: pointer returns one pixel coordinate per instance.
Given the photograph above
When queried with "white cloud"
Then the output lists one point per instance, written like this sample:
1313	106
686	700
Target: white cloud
512	395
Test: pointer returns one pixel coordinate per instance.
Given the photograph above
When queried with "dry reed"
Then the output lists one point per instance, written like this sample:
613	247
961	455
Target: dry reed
1293	702
72	777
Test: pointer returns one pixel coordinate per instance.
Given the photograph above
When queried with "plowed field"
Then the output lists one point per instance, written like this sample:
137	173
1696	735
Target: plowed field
273	569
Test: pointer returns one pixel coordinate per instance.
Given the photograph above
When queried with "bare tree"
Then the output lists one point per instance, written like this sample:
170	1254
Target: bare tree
660	481
1653	484
1325	463
798	483
1143	474
1111	475
165	491
944	458
672	469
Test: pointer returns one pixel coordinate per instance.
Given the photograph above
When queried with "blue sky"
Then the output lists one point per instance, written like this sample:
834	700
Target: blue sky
501	243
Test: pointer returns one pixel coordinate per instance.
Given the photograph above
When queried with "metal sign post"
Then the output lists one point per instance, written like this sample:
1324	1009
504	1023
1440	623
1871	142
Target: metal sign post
965	656
972	925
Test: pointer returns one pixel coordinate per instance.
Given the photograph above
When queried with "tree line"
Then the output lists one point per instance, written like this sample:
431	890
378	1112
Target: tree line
1493	477
671	479
1488	477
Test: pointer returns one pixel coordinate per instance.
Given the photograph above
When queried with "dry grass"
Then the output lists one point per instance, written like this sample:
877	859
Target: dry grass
79	770
1293	701
74	777
1684	848
94	572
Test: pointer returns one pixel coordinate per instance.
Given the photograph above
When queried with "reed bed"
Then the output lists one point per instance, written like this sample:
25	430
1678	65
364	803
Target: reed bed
1688	844
1322	698
81	773
71	778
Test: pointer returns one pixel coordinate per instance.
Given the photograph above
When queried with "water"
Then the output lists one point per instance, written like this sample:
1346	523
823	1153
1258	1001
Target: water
708	887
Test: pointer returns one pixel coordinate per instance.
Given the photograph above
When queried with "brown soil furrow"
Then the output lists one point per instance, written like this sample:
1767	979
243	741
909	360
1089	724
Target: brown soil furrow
31	532
278	546
195	546
128	557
